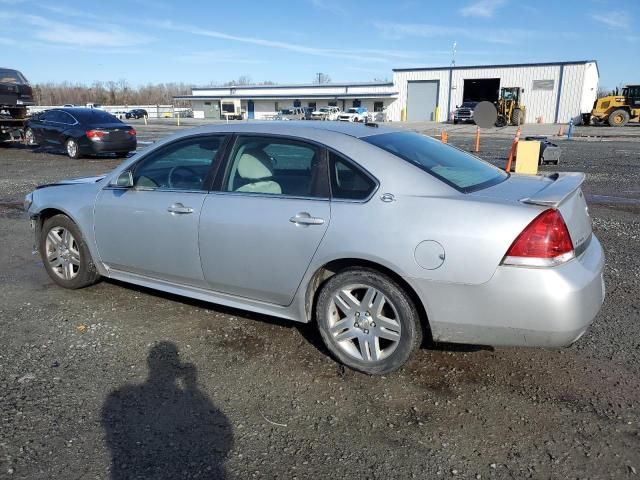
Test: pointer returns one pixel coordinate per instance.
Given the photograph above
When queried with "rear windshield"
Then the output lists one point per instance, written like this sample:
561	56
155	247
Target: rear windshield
11	76
456	168
94	115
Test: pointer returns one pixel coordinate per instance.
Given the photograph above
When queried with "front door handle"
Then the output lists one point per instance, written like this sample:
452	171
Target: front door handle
303	218
178	208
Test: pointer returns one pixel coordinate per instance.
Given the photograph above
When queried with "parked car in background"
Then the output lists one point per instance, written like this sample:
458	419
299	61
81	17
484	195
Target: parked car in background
296	113
15	92
80	131
464	113
354	114
137	113
274	218
325	113
119	114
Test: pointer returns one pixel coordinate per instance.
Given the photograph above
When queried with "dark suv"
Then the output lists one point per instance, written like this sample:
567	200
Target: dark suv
15	92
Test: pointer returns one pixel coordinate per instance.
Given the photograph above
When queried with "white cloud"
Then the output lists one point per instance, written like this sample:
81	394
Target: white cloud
209	56
482	8
329	6
59	33
364	55
614	20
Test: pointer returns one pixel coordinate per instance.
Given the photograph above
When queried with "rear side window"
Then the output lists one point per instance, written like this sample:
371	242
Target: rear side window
347	181
277	166
456	168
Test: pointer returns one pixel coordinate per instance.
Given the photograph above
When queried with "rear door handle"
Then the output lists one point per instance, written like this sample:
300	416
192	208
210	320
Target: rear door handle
304	218
179	208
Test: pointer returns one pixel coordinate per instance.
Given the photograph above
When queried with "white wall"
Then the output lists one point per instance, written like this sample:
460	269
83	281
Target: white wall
577	95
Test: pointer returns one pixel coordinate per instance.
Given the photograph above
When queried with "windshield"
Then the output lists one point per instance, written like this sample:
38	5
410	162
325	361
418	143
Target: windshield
468	104
456	168
352	110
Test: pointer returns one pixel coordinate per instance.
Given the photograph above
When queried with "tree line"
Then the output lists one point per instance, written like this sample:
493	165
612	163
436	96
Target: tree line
108	93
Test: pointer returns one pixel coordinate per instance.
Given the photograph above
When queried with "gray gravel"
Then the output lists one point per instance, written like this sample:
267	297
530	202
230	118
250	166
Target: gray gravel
119	381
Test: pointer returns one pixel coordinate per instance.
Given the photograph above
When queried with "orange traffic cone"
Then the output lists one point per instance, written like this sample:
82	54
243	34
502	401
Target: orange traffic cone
514	146
477	145
560	131
444	137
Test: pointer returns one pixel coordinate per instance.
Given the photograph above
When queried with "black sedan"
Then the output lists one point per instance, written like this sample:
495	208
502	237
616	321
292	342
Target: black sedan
137	113
80	131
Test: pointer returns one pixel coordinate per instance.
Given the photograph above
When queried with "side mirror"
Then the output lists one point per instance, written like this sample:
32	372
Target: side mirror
124	180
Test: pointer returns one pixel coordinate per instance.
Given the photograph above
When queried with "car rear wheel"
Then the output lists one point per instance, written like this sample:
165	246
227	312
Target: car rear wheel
65	254
367	321
73	150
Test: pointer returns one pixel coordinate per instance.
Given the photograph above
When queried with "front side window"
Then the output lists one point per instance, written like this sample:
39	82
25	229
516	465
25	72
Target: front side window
183	165
456	168
378	106
277	166
347	181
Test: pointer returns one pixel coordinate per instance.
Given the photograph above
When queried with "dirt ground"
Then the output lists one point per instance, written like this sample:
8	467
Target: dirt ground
255	397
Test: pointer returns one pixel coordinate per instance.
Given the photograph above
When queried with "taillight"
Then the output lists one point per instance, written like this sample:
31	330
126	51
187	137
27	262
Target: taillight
132	132
95	134
545	242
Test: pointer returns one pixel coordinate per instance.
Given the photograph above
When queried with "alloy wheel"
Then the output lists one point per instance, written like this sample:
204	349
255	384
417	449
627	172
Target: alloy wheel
72	148
62	253
363	322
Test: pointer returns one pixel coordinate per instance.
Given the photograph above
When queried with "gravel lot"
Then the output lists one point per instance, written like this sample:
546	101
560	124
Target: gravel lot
259	398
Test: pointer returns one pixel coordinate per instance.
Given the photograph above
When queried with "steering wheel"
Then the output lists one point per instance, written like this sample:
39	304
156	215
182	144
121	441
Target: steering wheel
192	175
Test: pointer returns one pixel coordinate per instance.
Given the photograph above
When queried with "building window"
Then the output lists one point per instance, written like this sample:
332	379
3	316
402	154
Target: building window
228	107
312	105
378	106
296	103
333	103
356	103
543	84
207	103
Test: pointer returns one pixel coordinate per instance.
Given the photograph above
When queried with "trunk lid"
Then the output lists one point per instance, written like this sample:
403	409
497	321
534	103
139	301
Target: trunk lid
114	131
560	191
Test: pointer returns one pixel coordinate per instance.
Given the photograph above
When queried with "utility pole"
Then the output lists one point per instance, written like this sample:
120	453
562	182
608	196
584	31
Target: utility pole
453	54
319	77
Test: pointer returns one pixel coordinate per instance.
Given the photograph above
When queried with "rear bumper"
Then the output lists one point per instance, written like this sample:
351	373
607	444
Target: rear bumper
127	145
534	307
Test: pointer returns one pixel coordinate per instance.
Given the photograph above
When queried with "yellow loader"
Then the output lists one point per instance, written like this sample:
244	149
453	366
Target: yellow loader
618	110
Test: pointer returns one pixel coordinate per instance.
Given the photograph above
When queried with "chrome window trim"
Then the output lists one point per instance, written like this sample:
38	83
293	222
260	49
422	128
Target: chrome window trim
268	195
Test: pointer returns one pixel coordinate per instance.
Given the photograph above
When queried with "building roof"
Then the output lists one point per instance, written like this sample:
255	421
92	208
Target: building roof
301	85
335	96
506	65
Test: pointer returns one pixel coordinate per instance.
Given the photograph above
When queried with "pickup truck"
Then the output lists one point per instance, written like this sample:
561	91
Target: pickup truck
15	96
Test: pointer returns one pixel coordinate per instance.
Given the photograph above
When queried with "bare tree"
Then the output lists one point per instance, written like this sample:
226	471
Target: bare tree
322	78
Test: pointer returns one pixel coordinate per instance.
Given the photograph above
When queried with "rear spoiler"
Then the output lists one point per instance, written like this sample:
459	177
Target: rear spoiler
564	184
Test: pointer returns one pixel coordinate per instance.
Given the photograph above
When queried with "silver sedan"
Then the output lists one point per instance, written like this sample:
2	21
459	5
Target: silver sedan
381	237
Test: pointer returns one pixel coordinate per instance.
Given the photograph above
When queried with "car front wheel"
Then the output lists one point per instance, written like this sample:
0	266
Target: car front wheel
65	254
367	321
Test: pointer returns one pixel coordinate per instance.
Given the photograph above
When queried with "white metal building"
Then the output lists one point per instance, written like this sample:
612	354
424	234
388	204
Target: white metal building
264	101
552	93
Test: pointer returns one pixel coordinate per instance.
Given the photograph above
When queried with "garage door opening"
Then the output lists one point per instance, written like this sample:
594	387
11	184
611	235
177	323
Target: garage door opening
481	89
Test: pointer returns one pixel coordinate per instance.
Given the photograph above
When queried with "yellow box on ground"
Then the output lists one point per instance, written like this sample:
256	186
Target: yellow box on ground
527	157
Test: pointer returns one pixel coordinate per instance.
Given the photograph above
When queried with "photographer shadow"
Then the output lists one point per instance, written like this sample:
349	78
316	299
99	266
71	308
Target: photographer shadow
161	429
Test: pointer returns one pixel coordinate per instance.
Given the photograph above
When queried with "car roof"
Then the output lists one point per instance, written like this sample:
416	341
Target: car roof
302	128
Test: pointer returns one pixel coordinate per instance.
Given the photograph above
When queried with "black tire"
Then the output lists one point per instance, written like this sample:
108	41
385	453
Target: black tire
455	122
410	336
86	273
71	151
618	118
517	117
500	121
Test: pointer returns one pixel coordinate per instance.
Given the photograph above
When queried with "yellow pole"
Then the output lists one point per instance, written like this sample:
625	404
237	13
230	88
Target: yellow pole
403	115
436	115
178	117
145	119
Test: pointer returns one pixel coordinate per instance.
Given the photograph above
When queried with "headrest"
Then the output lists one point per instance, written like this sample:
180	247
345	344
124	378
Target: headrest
254	165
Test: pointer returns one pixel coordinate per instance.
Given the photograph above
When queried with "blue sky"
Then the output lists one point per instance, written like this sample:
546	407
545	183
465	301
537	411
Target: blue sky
288	41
